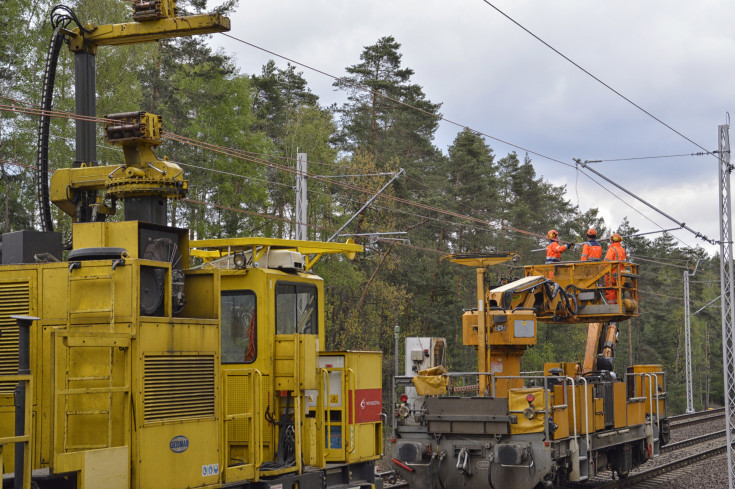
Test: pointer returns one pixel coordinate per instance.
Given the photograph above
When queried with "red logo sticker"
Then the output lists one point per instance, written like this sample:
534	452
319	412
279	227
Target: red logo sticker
369	404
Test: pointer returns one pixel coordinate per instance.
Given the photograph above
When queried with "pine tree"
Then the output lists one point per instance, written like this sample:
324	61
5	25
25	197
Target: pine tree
382	125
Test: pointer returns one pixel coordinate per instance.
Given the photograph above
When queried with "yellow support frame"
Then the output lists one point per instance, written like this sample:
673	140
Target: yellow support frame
313	250
140	32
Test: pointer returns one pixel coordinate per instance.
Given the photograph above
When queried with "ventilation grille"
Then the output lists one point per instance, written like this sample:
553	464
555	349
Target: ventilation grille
178	386
14	299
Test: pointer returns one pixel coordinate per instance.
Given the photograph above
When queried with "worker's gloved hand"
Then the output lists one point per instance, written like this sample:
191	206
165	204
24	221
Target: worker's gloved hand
570	246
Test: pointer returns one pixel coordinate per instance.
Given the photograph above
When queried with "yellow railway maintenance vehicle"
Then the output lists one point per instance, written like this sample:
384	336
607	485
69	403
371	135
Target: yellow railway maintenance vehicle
132	369
538	430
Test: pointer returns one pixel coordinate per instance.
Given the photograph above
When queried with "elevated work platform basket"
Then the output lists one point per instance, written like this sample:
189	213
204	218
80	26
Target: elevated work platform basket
604	291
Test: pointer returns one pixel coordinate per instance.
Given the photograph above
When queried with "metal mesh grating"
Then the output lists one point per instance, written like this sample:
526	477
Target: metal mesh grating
178	386
239	402
14	299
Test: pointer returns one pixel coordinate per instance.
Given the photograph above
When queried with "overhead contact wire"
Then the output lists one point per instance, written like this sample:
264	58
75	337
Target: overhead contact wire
399	102
595	77
442	118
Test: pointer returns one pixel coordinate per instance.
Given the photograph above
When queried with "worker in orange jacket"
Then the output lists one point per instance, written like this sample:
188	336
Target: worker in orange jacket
554	250
591	250
615	252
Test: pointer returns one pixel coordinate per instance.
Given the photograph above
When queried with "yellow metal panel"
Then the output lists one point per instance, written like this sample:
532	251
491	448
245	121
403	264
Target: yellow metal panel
599	414
309	442
518	404
90	393
68	462
364	396
636	411
239	473
650	386
91	292
368	442
286	361
119	340
178	435
570	369
584	409
619	409
511	329
202	290
100	234
54	277
163	461
108	468
307	355
284	364
561	418
469	328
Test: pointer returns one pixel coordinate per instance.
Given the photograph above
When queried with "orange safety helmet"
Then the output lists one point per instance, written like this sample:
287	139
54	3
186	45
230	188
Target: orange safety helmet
591	232
615	238
552	234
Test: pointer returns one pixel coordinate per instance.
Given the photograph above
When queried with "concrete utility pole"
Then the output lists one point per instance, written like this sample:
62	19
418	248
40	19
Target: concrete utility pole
301	198
688	340
728	295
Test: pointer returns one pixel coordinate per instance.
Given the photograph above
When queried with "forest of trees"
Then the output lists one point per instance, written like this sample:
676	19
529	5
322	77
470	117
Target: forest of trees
456	200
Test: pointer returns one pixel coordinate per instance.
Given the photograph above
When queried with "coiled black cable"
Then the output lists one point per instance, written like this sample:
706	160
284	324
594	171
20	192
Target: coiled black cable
44	121
61	17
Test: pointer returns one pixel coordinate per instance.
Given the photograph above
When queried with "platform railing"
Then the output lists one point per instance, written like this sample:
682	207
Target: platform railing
23	407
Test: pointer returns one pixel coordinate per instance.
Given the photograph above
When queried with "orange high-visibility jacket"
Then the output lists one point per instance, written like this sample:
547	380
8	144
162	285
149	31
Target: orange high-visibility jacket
615	252
554	251
591	251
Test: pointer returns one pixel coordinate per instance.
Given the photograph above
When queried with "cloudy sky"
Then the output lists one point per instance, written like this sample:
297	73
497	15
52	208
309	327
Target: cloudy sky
673	58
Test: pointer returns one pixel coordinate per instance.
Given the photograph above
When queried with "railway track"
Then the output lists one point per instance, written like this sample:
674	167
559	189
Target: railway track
391	480
682	420
673	457
710	446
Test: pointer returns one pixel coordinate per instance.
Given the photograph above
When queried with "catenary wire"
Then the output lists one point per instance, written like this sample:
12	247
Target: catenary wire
292	221
634	158
436	116
595	77
240	154
71	116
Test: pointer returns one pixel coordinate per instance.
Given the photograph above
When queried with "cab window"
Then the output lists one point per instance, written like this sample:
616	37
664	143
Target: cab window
296	309
239	320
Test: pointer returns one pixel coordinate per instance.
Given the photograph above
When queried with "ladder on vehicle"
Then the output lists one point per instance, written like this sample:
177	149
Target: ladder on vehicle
74	345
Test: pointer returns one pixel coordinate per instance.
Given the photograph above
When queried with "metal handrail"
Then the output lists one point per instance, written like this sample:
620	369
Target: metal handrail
586	414
575	448
324	376
353	433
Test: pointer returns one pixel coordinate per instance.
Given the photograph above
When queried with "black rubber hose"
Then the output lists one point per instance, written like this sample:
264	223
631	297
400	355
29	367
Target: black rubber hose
47	97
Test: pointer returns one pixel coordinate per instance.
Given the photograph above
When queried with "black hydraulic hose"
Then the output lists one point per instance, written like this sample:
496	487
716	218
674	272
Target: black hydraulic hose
47	96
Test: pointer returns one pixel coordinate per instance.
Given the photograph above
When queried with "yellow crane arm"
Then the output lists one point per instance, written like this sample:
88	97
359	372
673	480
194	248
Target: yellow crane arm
140	32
